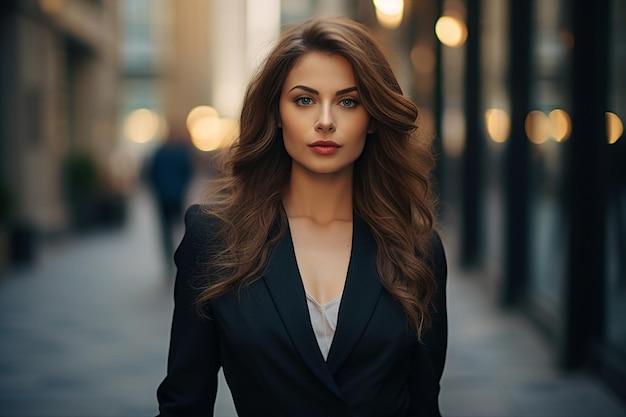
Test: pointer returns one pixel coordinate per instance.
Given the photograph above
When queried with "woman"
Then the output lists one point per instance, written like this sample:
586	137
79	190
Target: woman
314	278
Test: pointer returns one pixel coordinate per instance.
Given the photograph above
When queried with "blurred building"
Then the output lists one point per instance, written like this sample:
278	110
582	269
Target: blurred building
185	66
59	84
529	105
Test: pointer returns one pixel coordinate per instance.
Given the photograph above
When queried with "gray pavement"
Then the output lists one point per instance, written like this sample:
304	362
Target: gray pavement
84	332
499	365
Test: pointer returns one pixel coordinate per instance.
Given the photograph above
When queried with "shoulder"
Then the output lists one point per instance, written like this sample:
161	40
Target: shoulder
202	230
201	222
438	254
196	253
198	215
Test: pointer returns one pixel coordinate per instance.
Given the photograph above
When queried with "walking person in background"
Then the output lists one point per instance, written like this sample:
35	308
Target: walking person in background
170	171
315	277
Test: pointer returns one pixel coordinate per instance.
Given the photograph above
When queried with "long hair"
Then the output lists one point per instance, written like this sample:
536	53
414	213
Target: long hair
392	191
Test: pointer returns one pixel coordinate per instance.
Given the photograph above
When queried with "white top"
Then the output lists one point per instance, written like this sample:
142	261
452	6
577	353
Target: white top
324	321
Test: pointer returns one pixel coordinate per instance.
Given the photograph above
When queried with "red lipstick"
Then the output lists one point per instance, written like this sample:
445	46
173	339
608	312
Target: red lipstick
325	147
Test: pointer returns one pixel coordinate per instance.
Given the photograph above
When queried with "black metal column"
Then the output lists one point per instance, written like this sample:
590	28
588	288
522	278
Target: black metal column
584	290
516	158
471	225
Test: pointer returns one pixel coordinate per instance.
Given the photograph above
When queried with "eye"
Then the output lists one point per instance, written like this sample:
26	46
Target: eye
304	101
348	102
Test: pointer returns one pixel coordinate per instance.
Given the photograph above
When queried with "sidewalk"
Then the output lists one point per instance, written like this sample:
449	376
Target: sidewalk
84	332
499	365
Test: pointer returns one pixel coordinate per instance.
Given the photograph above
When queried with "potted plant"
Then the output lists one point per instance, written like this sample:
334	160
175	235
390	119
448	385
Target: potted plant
80	182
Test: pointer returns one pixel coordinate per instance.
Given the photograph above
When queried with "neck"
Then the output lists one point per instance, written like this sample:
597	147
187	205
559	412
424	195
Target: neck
322	198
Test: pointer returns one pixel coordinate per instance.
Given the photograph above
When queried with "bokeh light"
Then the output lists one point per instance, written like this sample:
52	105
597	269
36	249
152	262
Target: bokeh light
538	127
561	125
230	131
142	125
389	12
498	124
208	131
199	113
614	127
451	31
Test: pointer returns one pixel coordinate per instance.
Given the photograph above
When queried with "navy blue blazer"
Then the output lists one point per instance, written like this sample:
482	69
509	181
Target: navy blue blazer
263	339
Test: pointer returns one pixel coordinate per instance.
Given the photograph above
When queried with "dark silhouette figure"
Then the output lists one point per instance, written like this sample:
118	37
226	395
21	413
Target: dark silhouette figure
169	173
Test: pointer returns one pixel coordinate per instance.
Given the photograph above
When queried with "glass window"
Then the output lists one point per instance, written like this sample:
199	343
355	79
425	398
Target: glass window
548	127
616	197
495	106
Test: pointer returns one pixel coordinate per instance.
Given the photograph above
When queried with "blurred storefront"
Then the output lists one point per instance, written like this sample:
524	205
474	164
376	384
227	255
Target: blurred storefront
530	118
59	79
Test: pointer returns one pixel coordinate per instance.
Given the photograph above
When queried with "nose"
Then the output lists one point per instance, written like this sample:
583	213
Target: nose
325	122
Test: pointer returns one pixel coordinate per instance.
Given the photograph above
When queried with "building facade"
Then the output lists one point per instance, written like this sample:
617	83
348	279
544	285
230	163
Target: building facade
536	187
59	79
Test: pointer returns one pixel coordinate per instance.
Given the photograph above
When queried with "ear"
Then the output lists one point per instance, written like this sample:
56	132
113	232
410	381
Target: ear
371	128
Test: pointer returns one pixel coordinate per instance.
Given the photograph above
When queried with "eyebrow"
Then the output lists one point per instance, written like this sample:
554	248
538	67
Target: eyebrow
314	91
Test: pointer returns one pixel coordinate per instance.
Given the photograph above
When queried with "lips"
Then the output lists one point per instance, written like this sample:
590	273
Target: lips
325	144
325	147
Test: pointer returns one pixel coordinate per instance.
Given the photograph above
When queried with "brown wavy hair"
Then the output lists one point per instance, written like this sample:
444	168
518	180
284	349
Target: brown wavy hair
392	189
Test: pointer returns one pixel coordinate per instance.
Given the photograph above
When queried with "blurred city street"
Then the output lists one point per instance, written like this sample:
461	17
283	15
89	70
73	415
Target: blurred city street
84	332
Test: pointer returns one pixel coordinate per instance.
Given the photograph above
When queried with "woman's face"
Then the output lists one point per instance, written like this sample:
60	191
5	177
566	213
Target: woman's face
323	121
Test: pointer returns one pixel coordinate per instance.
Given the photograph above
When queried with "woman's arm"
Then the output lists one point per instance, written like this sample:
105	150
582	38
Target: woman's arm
190	387
429	361
436	339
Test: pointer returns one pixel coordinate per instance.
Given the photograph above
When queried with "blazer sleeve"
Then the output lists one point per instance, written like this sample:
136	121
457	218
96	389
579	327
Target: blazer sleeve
429	361
190	386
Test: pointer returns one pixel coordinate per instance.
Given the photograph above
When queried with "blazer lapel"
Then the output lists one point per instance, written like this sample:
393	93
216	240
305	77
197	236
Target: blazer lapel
284	284
360	296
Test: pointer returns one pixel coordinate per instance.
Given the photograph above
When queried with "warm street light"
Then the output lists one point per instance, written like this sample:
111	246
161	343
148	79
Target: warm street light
389	12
